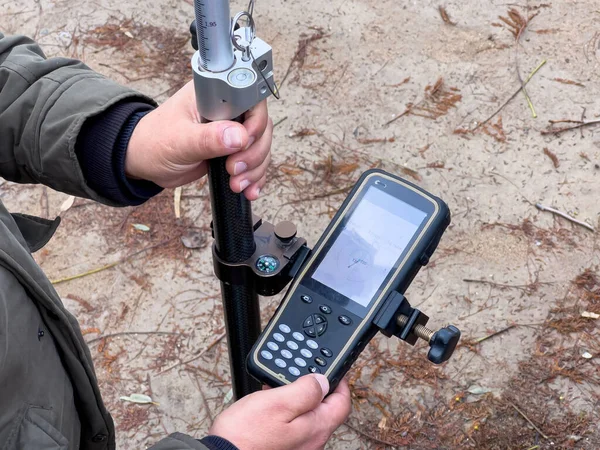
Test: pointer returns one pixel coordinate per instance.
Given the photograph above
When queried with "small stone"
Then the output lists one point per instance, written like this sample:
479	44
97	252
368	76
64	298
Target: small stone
193	239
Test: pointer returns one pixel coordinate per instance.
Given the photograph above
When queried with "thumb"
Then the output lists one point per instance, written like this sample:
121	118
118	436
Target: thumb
211	140
300	397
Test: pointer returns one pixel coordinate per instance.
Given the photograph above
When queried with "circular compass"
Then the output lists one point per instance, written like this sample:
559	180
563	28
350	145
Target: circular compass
267	264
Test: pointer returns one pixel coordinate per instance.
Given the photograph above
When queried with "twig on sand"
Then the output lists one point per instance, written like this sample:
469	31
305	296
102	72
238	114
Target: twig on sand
489	336
111	265
579	124
529	420
370	437
564	215
133	333
198	355
540	65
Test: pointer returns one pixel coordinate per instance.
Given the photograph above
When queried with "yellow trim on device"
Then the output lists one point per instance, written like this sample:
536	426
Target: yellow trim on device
317	251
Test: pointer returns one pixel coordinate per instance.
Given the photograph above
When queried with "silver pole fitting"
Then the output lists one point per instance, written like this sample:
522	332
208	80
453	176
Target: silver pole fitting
228	94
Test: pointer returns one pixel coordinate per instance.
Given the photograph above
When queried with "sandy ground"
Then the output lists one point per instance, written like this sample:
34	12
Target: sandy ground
503	266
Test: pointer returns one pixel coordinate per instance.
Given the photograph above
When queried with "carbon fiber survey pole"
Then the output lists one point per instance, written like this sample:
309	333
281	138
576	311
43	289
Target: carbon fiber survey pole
227	83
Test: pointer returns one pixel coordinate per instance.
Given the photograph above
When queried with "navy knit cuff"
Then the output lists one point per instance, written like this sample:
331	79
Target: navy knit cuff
217	443
139	190
101	149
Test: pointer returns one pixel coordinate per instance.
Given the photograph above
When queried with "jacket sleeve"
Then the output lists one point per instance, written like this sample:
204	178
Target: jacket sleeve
180	441
43	105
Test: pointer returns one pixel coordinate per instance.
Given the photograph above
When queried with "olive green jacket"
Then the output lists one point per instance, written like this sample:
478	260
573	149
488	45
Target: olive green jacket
49	396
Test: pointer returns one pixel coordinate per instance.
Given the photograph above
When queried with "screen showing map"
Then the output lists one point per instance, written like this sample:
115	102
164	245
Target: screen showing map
368	247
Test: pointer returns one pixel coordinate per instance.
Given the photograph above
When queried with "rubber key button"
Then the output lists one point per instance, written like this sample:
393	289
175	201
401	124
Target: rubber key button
320	361
280	363
311	332
286	354
267	355
292	345
308	322
313	369
345	320
273	346
325	309
306	353
298	336
284	328
294	371
278	337
320	319
306	298
312	344
326	352
321	329
300	362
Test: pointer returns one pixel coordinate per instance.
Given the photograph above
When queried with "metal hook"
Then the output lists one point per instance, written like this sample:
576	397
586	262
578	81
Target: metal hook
250	31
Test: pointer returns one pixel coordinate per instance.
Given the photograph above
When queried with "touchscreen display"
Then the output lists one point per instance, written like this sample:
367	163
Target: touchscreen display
369	245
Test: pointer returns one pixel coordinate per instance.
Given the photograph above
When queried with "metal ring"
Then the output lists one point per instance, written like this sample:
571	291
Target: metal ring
235	20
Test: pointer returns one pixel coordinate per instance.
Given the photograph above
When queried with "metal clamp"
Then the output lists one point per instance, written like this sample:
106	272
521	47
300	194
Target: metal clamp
396	317
277	259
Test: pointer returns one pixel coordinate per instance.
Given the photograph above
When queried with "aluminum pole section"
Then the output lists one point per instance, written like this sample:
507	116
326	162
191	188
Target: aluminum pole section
213	25
232	213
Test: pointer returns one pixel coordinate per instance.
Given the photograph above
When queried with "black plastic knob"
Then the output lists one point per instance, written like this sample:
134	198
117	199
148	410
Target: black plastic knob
443	344
193	31
285	232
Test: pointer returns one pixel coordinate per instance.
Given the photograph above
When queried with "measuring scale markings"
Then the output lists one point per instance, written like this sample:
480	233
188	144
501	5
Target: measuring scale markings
214	44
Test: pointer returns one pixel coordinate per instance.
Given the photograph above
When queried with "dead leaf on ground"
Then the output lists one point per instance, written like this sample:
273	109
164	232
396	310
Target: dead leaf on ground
66	205
138	398
141	227
177	201
445	16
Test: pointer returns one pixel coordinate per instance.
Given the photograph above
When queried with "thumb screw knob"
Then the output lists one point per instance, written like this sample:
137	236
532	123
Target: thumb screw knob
443	343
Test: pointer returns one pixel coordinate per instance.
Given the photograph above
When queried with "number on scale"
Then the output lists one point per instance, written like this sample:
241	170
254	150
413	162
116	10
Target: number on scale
209	24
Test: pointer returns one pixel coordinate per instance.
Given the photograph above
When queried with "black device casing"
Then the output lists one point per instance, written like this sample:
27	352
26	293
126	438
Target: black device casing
350	340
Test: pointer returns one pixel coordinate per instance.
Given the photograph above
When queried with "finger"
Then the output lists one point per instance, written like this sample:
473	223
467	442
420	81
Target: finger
330	414
252	192
255	121
297	398
254	156
241	182
341	394
196	142
337	407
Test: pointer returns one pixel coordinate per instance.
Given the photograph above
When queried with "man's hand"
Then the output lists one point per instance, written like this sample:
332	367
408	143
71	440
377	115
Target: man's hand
170	146
290	417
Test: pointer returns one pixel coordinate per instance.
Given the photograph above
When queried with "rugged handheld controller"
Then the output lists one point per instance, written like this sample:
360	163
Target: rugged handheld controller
351	285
